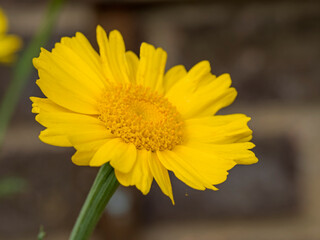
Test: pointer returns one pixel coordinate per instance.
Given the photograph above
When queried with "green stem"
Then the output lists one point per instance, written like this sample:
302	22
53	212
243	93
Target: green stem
101	191
24	67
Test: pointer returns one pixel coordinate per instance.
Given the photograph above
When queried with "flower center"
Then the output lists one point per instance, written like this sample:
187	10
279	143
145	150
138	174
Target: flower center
140	116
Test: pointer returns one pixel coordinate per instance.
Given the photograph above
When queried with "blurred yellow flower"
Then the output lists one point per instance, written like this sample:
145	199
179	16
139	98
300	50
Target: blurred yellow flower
118	108
9	44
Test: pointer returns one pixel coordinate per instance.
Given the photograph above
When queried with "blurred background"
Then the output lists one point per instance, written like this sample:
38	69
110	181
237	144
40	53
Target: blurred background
272	51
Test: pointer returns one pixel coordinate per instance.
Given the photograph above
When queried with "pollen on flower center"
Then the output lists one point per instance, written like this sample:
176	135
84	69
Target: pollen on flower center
140	116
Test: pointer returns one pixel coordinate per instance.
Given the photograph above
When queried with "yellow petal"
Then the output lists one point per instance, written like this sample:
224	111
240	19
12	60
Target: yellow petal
133	63
211	168
80	45
54	119
239	152
82	158
70	127
197	168
46	105
174	75
54	137
200	93
140	174
112	52
70	77
122	156
160	174
151	67
219	120
91	146
219	129
180	168
68	97
9	45
93	134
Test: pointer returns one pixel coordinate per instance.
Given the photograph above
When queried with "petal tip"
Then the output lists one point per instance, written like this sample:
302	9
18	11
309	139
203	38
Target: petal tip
100	30
172	200
33	99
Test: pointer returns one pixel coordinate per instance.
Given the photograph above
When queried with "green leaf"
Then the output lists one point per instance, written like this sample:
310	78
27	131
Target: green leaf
41	233
100	193
11	185
24	67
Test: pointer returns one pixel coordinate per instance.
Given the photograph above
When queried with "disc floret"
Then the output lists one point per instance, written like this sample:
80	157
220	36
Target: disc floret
140	116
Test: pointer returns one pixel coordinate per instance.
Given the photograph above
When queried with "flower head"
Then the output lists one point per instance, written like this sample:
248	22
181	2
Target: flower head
9	44
118	108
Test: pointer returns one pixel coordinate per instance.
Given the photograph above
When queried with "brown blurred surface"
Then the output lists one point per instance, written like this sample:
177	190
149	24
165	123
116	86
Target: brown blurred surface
271	49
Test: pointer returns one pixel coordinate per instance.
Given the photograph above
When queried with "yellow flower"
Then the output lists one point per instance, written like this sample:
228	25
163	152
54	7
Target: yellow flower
9	44
115	107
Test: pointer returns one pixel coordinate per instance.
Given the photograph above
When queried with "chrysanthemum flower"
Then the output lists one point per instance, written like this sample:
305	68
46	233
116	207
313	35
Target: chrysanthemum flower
115	107
9	44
